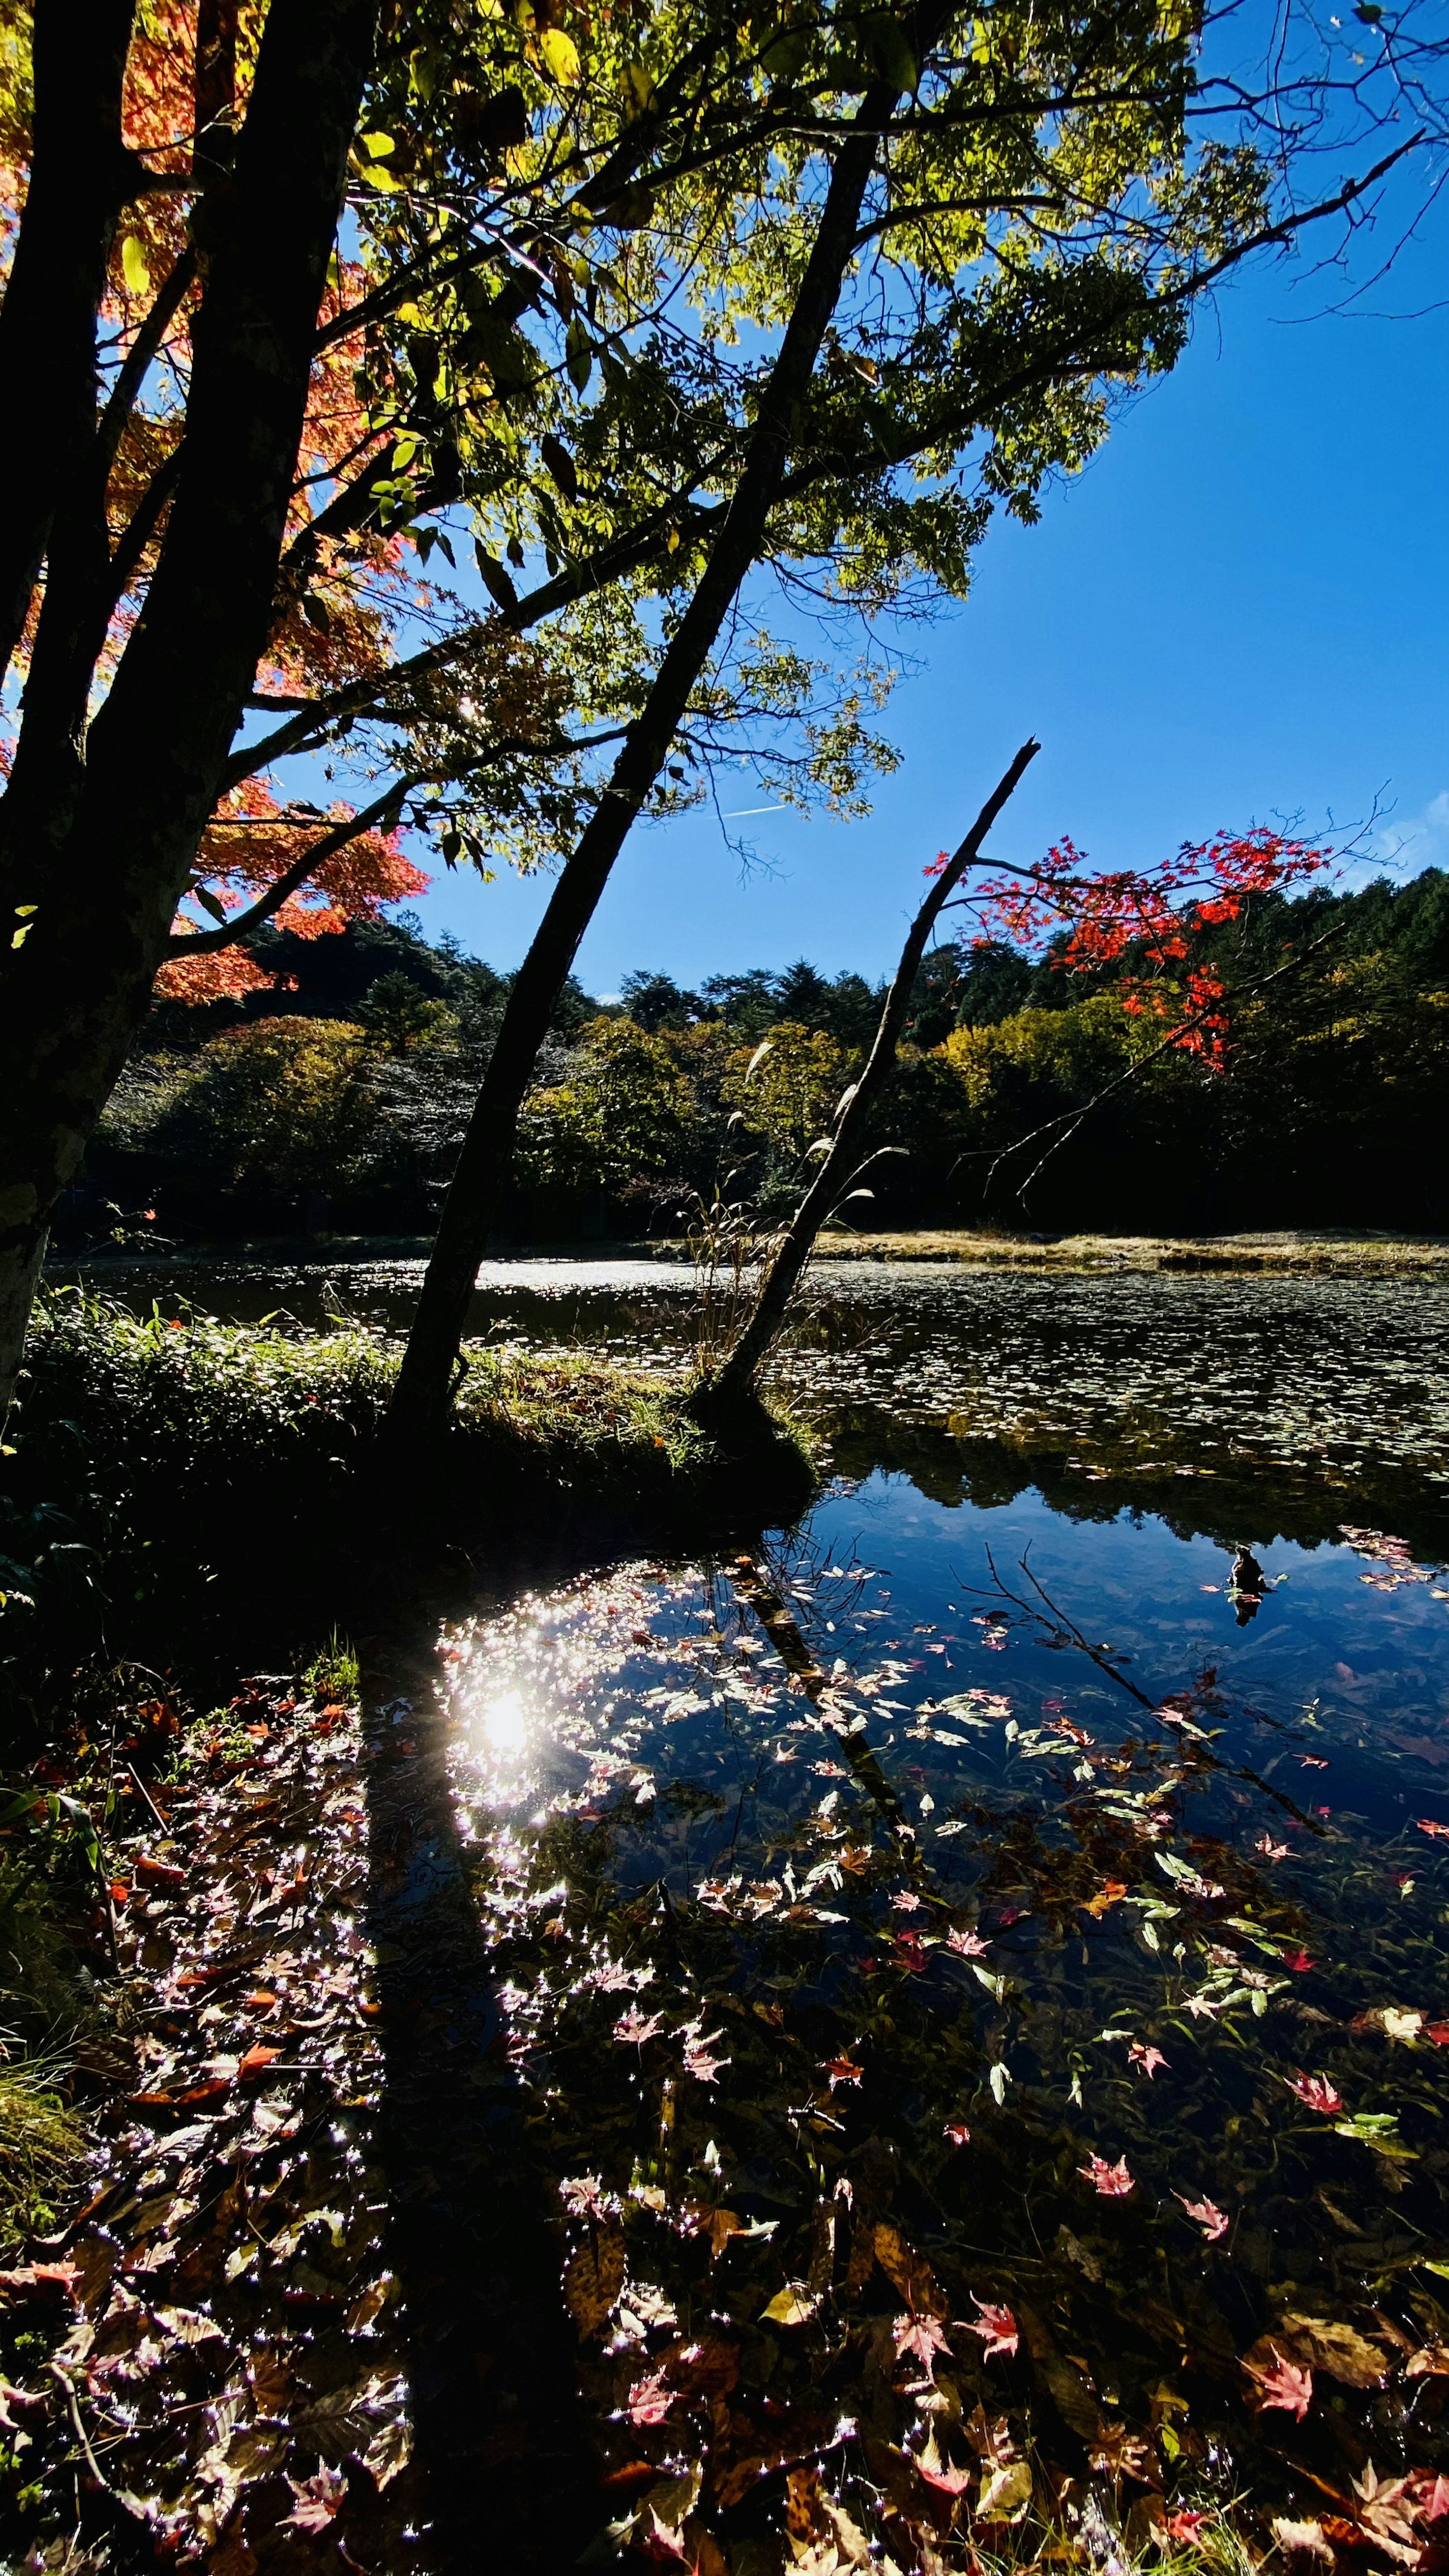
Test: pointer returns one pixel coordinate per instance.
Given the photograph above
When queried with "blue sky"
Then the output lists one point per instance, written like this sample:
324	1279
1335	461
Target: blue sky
1238	613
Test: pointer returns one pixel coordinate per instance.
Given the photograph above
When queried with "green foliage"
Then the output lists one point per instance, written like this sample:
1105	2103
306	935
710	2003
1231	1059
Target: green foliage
333	1672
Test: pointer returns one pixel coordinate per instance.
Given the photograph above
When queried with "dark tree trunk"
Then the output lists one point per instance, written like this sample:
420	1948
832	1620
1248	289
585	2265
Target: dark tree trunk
724	1395
420	1401
106	871
80	176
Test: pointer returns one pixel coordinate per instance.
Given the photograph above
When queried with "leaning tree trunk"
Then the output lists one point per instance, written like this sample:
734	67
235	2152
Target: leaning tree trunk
723	1395
102	833
421	1397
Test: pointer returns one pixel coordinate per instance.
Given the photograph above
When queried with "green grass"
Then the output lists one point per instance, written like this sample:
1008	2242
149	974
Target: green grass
42	2144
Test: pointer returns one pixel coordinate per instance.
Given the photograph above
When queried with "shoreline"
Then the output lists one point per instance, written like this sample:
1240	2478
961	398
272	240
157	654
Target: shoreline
1331	1250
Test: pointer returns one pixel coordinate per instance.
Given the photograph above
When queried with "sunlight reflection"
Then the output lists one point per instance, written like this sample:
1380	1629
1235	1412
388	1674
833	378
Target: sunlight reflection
503	1725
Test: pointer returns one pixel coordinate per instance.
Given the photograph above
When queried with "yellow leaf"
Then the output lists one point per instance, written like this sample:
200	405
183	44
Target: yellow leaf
792	2306
560	54
133	266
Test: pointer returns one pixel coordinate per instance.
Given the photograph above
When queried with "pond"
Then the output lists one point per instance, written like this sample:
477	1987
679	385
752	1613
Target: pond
976	1964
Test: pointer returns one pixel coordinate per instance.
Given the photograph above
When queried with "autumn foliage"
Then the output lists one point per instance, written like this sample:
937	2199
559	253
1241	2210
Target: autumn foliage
1142	921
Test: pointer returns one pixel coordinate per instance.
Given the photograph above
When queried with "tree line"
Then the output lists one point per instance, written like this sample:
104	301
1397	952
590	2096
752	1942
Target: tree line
336	1100
668	320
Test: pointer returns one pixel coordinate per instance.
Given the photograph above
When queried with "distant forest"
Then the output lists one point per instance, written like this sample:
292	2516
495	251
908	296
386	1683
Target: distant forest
335	1100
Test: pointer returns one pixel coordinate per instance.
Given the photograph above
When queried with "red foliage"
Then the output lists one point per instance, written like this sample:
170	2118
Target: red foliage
1147	915
250	843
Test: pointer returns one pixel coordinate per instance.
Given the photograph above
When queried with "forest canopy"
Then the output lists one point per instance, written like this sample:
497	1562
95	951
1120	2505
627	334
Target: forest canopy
336	1101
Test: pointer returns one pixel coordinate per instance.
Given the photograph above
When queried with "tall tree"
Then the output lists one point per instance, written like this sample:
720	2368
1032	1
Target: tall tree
599	298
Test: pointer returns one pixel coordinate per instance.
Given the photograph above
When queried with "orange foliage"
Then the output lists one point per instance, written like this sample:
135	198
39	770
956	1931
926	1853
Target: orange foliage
250	844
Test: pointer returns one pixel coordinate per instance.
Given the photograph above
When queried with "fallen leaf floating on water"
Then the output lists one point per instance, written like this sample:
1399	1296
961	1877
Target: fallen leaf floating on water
319	2500
1184	2525
1269	1849
633	2028
841	2070
1149	2059
1427	1825
1298	1961
997	2328
957	2132
1281	2383
921	2336
1212	2220
795	2305
967	1945
1111	1892
1113	2181
1301	2539
650	2399
1317	2092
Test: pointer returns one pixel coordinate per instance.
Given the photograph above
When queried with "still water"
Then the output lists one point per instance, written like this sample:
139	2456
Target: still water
978	1961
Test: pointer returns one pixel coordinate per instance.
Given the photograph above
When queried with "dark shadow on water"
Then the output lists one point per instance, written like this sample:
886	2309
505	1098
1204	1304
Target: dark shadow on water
498	2423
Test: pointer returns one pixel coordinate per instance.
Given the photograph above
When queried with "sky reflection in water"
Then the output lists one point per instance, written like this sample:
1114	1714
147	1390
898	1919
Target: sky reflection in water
955	1908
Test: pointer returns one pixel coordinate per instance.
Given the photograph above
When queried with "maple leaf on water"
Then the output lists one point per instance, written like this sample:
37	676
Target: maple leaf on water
957	2132
1269	1849
635	2027
1427	1825
1430	2494
941	2473
698	2060
841	2070
319	2499
1113	2181
908	1951
906	1901
1184	2525
1111	1892
1283	2385
921	2335
1298	1961
997	2328
585	2196
967	1945
1149	2059
650	2399
1317	2092
1212	2220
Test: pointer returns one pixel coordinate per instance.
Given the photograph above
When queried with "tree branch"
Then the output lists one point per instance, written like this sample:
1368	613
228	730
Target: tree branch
205	943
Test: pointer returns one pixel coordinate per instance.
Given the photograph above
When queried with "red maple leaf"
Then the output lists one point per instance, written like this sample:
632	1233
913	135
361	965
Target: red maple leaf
841	2070
1284	2385
1149	2059
650	2399
1113	2181
957	2132
1318	2093
1298	1961
319	2499
908	1951
1427	1825
997	2328
633	2028
922	2336
1212	2220
967	1945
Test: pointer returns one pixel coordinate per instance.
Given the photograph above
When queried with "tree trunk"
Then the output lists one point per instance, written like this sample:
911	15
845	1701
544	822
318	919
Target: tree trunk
724	1395
105	865
420	1400
80	176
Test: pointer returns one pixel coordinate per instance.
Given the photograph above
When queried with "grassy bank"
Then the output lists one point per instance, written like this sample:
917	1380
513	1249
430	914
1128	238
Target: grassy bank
184	1489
